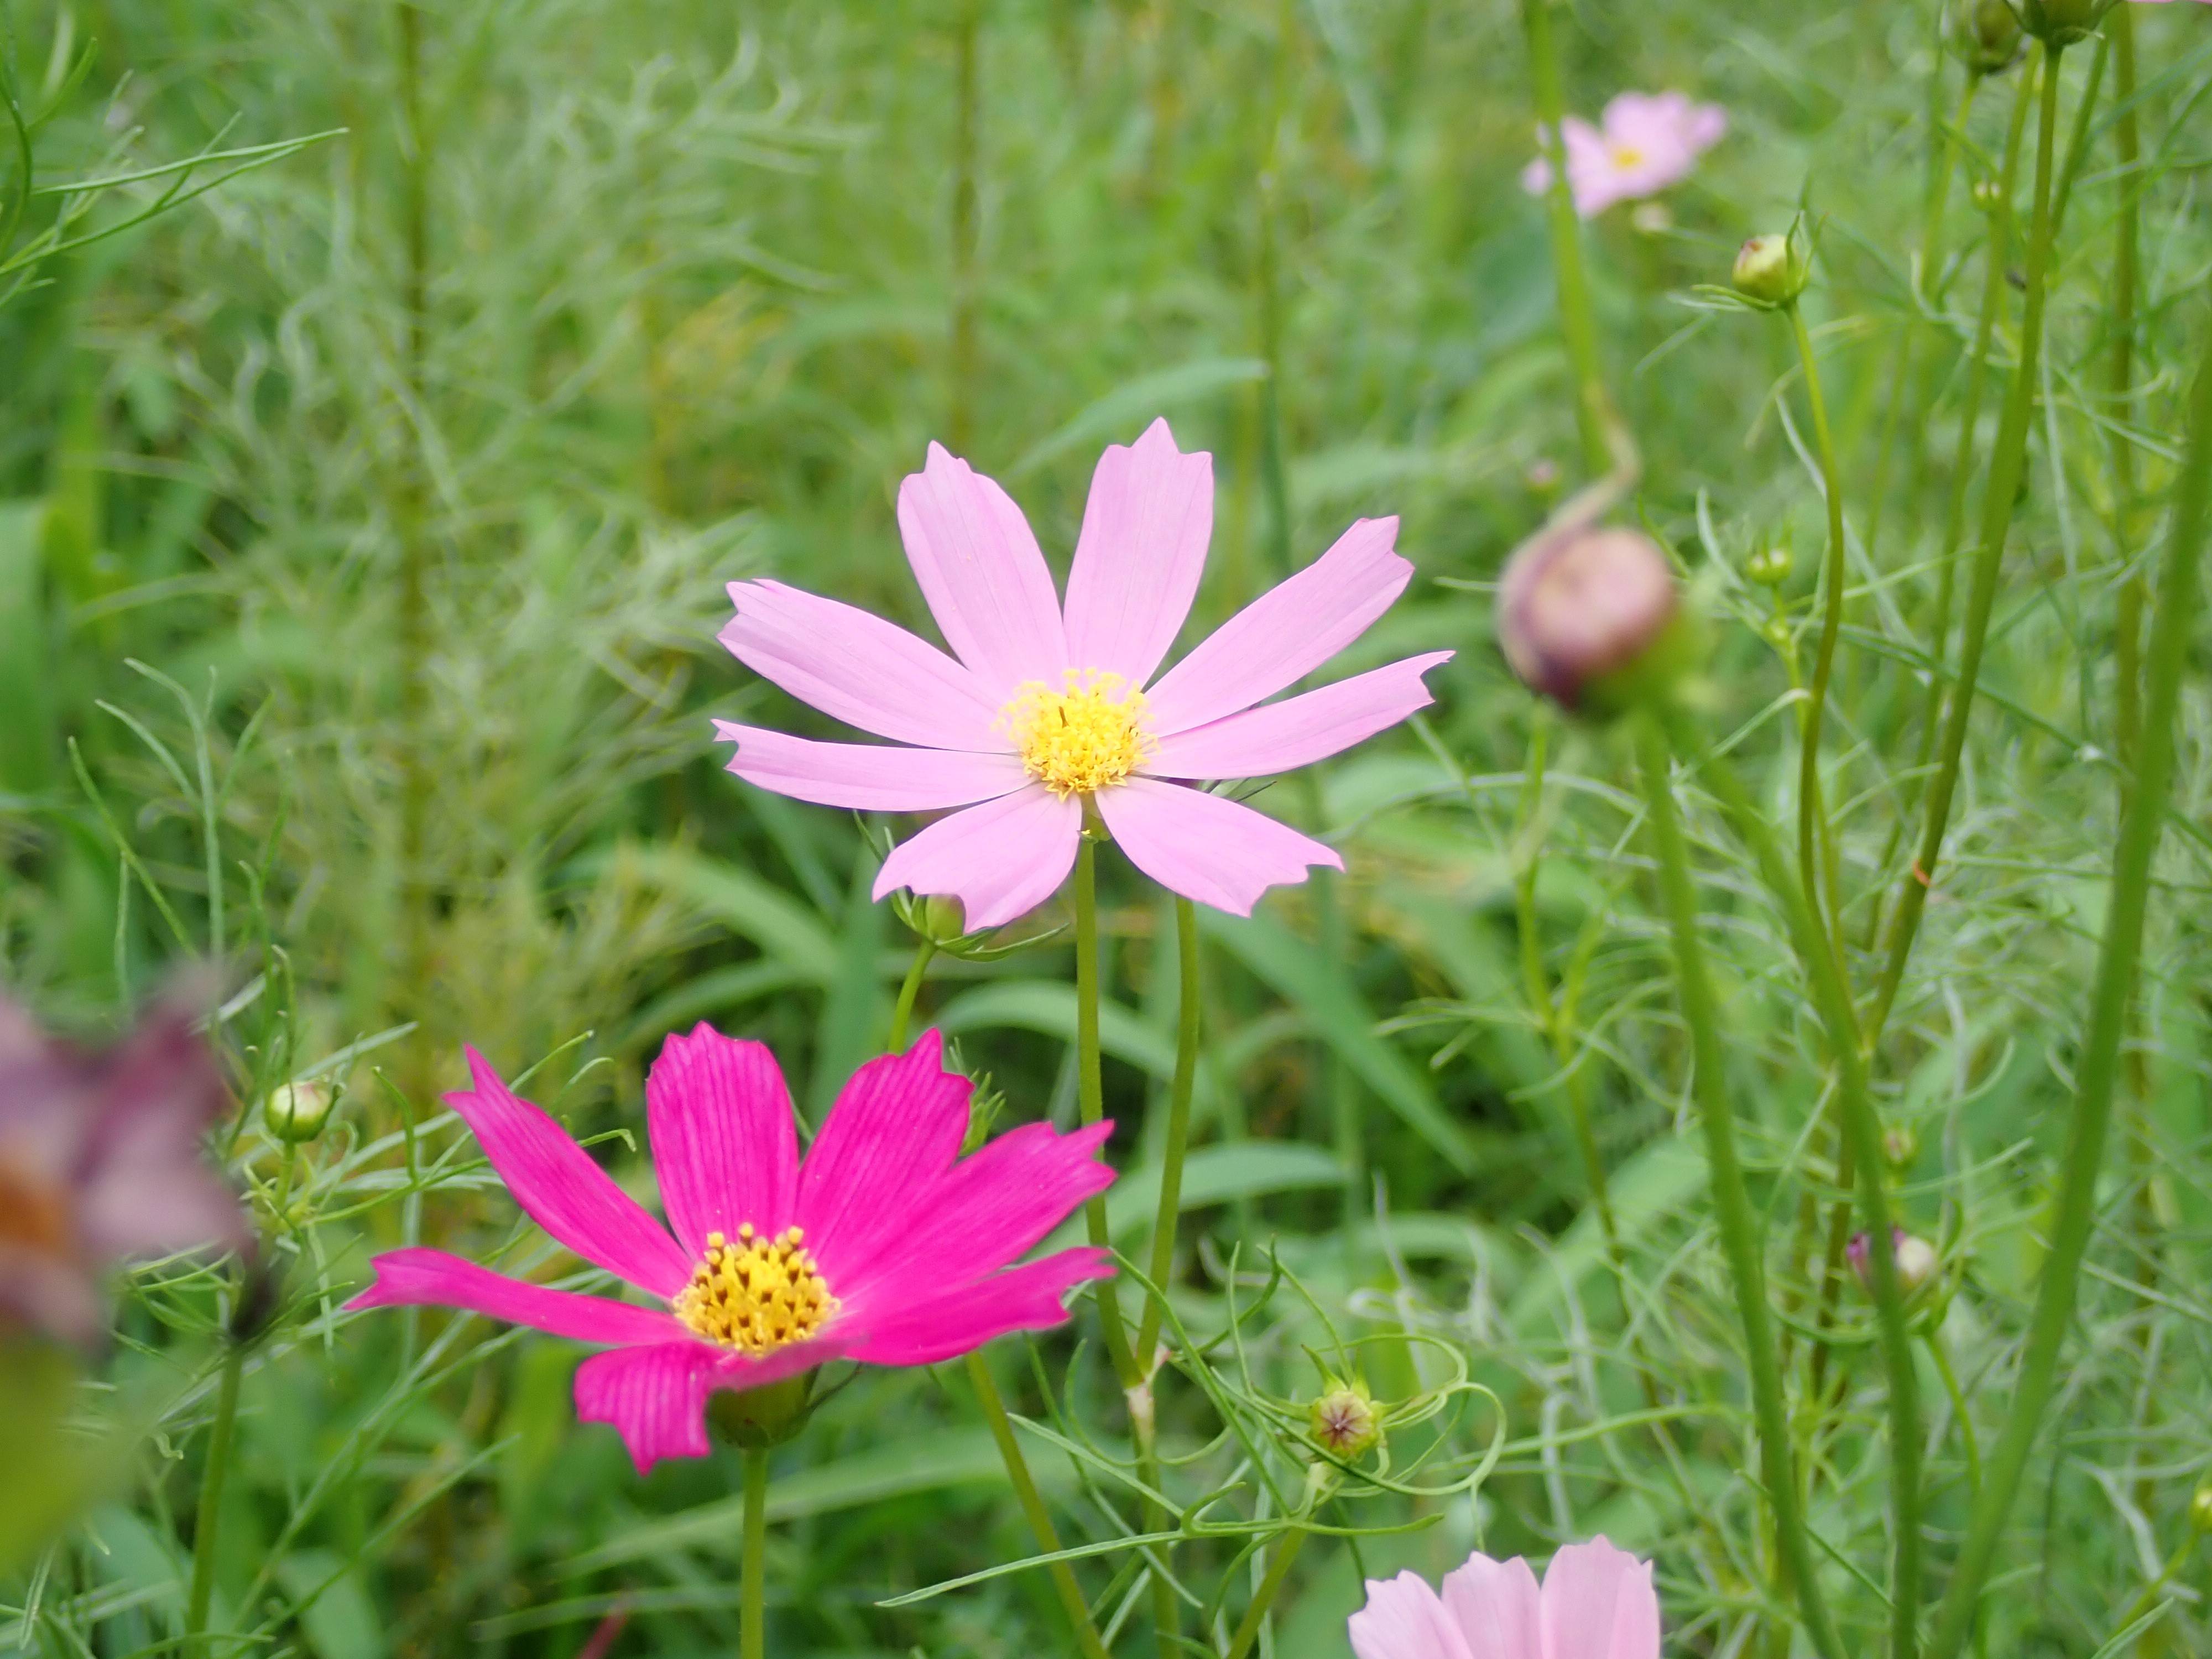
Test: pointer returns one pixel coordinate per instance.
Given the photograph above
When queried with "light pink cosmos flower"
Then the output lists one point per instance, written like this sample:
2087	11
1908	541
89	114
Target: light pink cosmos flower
1648	142
1596	1602
879	1248
1043	711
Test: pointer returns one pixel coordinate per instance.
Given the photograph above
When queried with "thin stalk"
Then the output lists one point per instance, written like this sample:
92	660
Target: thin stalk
754	1608
2174	616
408	507
1263	1599
208	1521
1731	1203
1813	831
2006	466
909	987
1275	466
1090	1094
960	415
1967	1438
1032	1502
1577	320
1169	1214
2127	264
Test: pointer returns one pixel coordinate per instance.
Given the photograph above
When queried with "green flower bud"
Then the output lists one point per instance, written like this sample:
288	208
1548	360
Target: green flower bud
1769	567
1900	1147
1343	1421
1589	617
1773	270
1916	1260
1985	34
944	919
297	1111
2062	22
2200	1508
1987	195
757	1418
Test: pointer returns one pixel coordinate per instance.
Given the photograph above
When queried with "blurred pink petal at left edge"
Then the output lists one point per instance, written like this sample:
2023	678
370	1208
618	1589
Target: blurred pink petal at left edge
1596	1602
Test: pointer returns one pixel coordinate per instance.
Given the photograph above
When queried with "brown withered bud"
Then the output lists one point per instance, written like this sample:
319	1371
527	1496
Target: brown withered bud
1581	610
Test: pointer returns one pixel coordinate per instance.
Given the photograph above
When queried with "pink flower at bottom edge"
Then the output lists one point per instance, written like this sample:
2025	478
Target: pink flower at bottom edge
1042	711
883	1246
1648	142
1595	1602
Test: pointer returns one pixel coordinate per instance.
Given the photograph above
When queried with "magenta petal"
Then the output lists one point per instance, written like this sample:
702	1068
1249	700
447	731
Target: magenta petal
1279	737
1288	632
1599	1604
1140	554
989	1211
999	859
1030	1297
865	672
1403	1619
432	1278
1497	1608
724	1142
980	569
655	1397
1207	848
559	1188
893	1134
868	777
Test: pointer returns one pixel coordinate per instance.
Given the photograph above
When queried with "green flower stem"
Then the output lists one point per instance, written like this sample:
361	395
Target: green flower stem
754	1610
1090	1094
1178	1138
2174	618
1731	1203
2006	466
208	1521
903	1013
1933	1337
2127	261
1263	1599
1814	832
408	508
1032	1502
1577	321
1863	1138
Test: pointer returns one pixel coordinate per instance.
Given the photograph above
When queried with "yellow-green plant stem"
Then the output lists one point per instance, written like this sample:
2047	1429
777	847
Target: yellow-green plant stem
2006	465
1732	1210
2098	1072
1577	321
1968	1439
1033	1510
1170	1215
2127	621
909	988
960	411
1263	1599
1090	1094
753	1609
1832	999
208	1521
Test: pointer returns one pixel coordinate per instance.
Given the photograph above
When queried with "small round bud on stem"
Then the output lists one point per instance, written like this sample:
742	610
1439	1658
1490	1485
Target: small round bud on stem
1985	34
1585	616
1917	1262
1343	1421
2200	1508
1987	195
1900	1147
297	1111
2063	22
1771	270
942	919
1769	567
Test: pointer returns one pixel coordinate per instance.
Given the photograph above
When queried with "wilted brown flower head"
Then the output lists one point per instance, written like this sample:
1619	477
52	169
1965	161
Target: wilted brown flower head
101	1162
1581	604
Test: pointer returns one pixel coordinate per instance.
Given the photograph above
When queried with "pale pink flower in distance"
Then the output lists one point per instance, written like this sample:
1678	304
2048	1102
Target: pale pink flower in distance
881	1246
1044	710
1647	142
1596	1602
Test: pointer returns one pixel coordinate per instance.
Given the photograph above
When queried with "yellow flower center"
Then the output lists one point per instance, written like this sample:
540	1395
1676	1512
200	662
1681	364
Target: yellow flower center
757	1294
1086	738
1628	156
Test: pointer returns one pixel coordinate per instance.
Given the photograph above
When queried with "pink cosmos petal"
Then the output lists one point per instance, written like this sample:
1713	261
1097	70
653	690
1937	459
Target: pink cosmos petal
887	1141
723	1141
431	1279
655	1397
1403	1619
1030	1297
559	1188
1001	860
1496	1607
1205	846
981	573
1140	554
992	1208
868	777
1582	143
1599	1604
865	672
1280	737
1286	633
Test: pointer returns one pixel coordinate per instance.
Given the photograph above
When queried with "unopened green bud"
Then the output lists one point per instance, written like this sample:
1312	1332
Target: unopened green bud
297	1111
1343	1421
1773	270
942	919
1588	616
1985	34
1769	567
1900	1147
1987	195
2063	22
2200	1508
1916	1258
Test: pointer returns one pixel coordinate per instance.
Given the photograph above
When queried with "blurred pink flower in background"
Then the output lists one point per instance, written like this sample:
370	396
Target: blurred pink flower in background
102	1162
879	1248
1044	711
1648	141
1596	1602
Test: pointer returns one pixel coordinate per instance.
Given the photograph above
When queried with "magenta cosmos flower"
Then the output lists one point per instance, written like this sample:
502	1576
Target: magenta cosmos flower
1042	712
1596	1602
1648	142
882	1247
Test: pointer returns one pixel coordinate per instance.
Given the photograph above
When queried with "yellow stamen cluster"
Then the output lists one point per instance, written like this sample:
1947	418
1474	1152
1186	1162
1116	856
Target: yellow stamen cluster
1625	156
757	1294
1086	738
